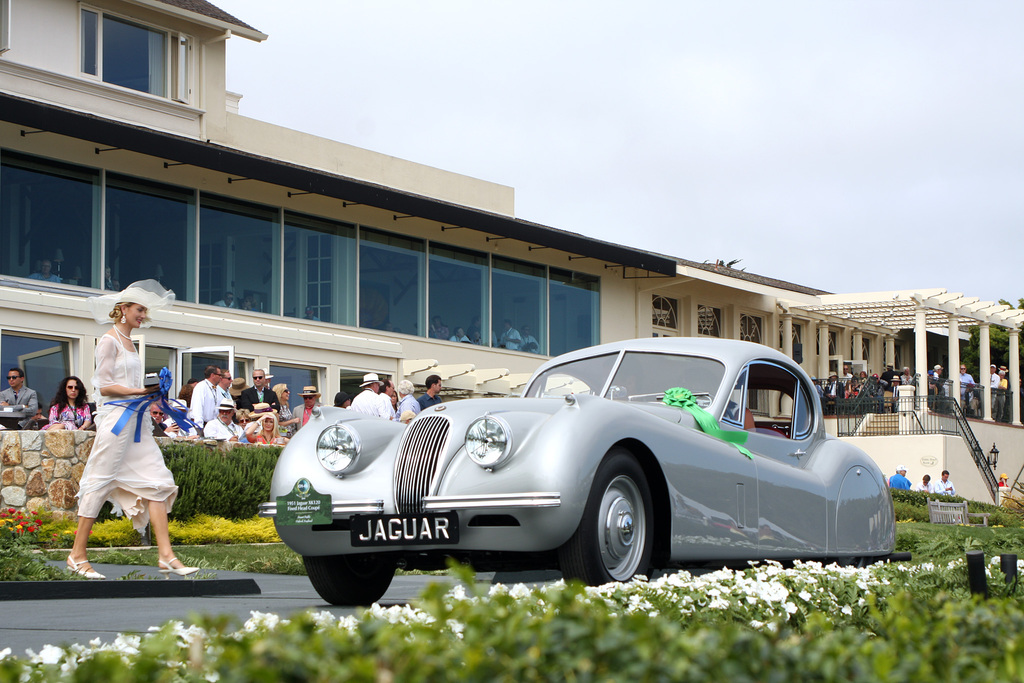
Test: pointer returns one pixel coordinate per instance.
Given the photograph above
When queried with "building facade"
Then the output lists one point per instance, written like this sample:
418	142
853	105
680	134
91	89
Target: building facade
124	157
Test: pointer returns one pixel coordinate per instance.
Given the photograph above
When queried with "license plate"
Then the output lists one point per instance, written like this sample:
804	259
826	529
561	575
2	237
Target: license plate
427	528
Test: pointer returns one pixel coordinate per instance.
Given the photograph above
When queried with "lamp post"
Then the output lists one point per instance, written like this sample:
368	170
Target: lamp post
993	457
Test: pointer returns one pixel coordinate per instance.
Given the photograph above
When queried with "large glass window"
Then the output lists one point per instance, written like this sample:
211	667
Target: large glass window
391	282
518	297
124	53
45	363
575	307
319	269
458	295
48	217
139	212
238	261
295	377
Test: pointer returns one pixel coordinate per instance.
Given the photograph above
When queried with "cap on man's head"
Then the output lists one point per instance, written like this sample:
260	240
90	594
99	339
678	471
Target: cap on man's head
901	468
937	367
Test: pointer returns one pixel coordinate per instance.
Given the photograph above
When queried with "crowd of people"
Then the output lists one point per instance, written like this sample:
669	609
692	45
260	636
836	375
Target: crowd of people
942	486
508	337
219	407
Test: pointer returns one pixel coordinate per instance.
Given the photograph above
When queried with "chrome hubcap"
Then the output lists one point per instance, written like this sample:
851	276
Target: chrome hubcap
623	528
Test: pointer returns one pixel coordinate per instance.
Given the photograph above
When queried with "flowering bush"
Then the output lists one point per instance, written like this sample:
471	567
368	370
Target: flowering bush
809	622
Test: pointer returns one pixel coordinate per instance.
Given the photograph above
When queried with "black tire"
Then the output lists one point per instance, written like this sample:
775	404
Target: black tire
615	537
350	580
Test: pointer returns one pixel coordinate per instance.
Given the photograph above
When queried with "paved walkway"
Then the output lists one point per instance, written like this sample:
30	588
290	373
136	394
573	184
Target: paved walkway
31	624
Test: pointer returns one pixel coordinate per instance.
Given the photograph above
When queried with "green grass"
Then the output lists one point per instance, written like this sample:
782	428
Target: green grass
263	558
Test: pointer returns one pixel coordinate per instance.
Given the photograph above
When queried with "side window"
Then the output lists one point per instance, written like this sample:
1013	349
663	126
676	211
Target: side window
734	409
778	401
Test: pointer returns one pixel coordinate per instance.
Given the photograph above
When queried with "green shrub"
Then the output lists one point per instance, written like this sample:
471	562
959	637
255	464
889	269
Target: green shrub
229	484
204	529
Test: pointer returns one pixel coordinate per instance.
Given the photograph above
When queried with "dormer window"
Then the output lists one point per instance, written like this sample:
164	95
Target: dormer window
131	55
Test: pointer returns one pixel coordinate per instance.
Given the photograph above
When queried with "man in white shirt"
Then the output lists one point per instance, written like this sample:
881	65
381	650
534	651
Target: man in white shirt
205	398
368	401
944	485
223	387
224	427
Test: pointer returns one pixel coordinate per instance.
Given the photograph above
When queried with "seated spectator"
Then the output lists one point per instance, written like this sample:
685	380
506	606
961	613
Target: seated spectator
23	403
530	343
44	273
157	416
70	407
223	428
310	314
171	428
509	337
228	301
925	486
262	430
475	332
243	416
438	330
459	336
899	480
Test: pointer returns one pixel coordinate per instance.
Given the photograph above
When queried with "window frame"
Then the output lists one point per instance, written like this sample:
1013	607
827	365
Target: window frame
178	62
5	26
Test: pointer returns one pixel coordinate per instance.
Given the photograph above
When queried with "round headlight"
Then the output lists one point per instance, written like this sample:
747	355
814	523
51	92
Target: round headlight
489	441
337	448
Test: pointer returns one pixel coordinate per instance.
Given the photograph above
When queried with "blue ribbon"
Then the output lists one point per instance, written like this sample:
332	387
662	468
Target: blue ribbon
138	407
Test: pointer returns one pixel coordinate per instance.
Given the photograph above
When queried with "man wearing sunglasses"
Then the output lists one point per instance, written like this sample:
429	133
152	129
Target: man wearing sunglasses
18	403
259	392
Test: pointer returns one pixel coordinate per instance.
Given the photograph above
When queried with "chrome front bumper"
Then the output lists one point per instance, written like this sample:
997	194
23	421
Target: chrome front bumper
346	508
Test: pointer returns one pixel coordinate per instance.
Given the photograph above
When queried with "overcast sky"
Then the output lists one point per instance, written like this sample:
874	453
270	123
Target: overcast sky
848	146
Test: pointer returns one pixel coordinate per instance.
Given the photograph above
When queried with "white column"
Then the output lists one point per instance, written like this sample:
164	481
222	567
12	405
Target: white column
787	334
954	357
985	371
823	356
921	350
858	345
810	346
890	352
1014	379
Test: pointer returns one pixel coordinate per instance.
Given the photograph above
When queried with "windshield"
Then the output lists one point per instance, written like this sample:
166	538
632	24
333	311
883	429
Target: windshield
645	377
640	377
586	376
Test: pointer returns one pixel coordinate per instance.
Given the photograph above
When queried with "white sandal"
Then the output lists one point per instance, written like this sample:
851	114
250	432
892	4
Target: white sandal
166	569
87	571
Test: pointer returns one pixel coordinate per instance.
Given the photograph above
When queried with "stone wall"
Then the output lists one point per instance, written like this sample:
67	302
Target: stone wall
41	470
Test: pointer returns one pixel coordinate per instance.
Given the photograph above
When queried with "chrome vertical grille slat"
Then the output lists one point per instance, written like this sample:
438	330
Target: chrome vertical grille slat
418	459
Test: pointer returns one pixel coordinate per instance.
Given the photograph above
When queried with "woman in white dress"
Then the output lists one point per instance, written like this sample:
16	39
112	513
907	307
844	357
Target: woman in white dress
131	474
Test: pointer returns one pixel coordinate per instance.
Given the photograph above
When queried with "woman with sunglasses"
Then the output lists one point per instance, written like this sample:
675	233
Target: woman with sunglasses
70	407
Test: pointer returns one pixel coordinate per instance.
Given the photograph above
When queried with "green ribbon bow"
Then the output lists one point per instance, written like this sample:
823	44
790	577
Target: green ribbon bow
682	398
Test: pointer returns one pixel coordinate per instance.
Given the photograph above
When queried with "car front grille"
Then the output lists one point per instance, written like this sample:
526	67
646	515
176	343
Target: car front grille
418	460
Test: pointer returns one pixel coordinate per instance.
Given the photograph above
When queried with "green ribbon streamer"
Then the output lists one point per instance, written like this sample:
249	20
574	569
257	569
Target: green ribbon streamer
682	398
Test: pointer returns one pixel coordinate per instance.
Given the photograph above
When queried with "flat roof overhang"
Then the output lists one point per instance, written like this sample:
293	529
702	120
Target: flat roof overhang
174	148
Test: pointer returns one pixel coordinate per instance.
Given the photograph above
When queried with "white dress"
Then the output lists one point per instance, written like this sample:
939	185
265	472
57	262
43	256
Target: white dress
119	469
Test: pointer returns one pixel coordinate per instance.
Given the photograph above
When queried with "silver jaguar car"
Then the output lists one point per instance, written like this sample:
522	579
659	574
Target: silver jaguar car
617	459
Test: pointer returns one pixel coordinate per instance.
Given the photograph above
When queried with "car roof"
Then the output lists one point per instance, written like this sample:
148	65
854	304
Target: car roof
730	351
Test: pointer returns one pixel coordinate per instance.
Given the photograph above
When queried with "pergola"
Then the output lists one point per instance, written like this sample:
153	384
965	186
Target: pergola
937	309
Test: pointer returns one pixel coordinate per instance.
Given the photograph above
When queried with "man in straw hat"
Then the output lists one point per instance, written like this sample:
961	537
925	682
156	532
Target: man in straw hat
309	396
368	401
224	427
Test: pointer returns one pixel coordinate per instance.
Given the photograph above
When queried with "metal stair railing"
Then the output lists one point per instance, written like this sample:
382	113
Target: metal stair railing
965	432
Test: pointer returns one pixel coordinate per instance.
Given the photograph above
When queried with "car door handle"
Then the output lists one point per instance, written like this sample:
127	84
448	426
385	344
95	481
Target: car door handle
798	452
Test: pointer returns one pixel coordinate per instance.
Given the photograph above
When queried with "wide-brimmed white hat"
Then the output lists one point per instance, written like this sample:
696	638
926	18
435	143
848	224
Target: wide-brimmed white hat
370	378
149	293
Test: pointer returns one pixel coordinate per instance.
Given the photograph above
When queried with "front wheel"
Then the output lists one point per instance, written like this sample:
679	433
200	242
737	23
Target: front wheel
614	540
350	580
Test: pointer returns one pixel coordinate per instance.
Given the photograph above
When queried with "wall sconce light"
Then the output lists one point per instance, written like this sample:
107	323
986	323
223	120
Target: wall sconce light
993	456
